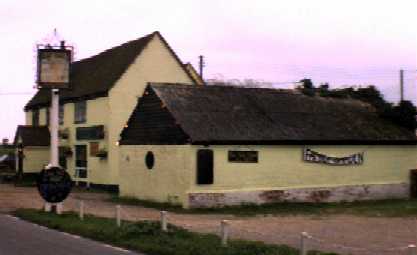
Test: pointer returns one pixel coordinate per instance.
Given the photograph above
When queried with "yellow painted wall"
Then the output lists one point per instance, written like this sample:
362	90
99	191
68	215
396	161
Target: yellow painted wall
28	118
35	158
97	114
155	64
283	167
279	167
168	180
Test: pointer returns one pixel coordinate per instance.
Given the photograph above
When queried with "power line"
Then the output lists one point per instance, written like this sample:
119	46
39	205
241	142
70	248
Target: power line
16	93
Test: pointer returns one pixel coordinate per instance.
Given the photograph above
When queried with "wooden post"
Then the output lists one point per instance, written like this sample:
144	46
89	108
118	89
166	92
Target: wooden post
412	249
164	221
81	210
224	231
118	221
303	243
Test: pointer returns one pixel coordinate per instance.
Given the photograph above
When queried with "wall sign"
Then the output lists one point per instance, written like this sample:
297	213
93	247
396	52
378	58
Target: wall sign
243	156
316	157
90	133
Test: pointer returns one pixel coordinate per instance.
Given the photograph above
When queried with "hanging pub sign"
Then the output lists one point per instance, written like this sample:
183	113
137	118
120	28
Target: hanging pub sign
53	68
316	157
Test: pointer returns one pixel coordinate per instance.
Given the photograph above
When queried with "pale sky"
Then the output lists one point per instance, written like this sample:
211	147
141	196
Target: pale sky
355	42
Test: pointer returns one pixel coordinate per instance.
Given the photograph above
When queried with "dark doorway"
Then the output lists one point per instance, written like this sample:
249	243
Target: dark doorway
81	161
205	166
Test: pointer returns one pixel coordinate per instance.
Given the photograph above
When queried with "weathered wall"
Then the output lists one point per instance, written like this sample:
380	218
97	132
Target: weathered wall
282	175
35	158
155	64
168	180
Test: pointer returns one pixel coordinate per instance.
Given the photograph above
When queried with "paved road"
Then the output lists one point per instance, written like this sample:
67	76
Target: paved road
18	237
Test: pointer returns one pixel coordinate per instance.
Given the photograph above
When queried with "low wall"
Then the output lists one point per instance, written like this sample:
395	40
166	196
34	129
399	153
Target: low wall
327	194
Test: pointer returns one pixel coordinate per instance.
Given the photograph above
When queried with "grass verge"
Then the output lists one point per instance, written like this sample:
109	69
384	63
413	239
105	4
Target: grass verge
146	236
372	208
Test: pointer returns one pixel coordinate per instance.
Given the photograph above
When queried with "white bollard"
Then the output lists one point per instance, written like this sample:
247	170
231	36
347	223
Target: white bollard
164	226
118	220
303	243
81	210
412	250
224	231
59	208
47	207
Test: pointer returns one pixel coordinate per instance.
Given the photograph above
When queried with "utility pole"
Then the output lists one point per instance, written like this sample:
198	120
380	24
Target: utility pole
401	85
201	64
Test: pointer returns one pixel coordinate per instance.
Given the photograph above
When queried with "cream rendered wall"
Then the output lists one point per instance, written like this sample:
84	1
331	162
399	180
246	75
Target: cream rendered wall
28	118
42	116
35	158
155	64
282	167
168	180
97	114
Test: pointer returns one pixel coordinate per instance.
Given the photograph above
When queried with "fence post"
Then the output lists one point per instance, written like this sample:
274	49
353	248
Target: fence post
164	221
118	222
81	210
412	249
303	243
224	231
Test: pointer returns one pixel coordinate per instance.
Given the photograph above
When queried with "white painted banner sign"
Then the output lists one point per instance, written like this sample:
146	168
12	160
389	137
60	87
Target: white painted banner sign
316	157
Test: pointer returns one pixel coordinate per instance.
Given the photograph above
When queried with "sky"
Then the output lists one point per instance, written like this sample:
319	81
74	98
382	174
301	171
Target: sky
344	43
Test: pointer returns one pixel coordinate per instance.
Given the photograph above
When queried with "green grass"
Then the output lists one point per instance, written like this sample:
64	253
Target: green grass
373	208
146	236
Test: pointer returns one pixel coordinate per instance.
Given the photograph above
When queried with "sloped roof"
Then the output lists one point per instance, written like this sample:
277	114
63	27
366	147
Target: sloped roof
33	135
95	76
232	115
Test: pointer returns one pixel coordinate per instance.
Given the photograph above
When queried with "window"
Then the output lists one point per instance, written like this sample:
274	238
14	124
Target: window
204	166
35	117
80	112
61	114
48	116
243	156
149	160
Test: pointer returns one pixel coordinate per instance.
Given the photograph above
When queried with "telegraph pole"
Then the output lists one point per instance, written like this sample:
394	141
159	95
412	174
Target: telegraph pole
401	85
201	64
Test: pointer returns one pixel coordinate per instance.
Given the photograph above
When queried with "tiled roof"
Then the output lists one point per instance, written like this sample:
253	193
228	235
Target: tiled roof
232	115
95	76
33	135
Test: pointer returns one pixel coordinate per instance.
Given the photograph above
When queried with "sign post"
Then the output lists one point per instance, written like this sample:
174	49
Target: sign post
53	73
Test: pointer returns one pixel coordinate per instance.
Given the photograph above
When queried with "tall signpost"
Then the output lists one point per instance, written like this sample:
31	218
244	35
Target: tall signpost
53	74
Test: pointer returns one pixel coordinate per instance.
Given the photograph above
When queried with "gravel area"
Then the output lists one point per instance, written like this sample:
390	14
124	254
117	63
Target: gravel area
344	234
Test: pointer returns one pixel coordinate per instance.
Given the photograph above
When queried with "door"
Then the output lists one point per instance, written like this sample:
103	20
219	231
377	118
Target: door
81	161
204	166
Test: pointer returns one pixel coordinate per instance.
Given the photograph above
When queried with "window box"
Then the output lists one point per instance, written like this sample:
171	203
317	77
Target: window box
102	154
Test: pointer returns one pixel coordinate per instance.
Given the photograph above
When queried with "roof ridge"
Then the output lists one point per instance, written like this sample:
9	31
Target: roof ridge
106	51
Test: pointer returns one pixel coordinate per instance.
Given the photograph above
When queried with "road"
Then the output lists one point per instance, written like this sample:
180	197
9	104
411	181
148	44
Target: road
18	237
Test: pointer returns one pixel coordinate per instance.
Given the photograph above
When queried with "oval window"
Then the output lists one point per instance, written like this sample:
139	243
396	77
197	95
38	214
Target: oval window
149	160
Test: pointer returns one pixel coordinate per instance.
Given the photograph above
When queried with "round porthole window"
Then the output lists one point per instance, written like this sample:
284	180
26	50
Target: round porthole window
149	160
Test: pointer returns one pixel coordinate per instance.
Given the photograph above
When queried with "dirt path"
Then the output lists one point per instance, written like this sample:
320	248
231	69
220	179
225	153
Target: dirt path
340	233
